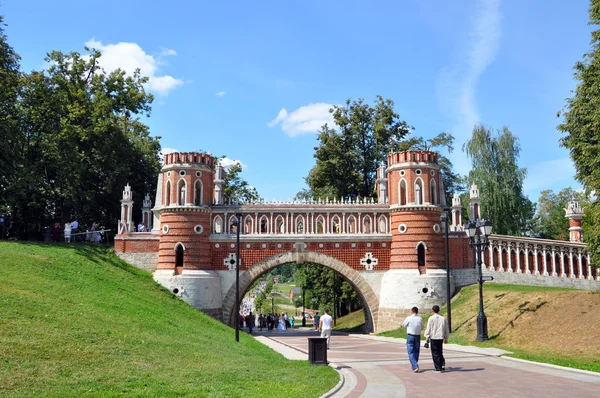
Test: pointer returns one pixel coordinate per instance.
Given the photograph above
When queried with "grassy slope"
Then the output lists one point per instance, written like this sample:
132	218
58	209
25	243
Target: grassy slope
351	323
552	325
76	320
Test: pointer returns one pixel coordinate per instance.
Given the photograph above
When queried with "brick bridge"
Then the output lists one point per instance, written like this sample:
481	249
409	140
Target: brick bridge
390	250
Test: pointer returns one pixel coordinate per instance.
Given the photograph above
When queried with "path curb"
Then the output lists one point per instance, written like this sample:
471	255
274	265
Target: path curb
340	383
551	365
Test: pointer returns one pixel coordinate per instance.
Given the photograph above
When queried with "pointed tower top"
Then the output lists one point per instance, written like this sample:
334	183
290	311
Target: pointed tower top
456	200
574	210
474	193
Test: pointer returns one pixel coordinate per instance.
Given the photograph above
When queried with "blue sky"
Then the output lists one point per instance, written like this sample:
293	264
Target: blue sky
253	80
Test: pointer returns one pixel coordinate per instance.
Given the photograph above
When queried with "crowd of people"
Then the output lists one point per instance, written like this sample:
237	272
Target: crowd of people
70	232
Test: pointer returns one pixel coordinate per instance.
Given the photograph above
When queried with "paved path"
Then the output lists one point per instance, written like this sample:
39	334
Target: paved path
378	367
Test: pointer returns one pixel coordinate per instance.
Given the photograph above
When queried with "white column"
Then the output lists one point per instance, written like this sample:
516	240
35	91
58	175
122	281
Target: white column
580	265
571	265
545	269
509	259
537	265
518	256
554	273
343	223
359	227
527	270
562	265
271	223
256	226
327	230
500	255
491	249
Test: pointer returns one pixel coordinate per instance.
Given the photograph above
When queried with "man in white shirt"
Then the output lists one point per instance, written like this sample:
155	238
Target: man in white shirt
413	325
437	333
325	326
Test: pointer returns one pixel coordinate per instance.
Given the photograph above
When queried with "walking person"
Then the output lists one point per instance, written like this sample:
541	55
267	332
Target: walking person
413	325
250	322
316	321
261	321
68	232
437	334
325	326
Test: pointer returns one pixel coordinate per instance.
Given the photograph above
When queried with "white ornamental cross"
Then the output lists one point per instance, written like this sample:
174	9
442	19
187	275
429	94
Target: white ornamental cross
230	261
368	261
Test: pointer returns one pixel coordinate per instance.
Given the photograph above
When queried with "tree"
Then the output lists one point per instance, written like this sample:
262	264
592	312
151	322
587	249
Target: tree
581	124
9	134
237	190
550	220
347	158
81	141
496	173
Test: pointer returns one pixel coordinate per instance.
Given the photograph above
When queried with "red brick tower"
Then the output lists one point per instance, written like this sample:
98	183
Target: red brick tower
417	275
187	189
415	203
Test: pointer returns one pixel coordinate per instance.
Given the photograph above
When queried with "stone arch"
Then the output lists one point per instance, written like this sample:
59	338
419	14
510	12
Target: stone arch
402	192
218	225
352	276
336	225
181	192
419	191
351	225
382	224
248	225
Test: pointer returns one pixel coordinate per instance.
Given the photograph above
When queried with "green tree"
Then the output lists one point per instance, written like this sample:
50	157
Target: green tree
581	126
237	190
9	124
495	171
348	156
550	220
81	141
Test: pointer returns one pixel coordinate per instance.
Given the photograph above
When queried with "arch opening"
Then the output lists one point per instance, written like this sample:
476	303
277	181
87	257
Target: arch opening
370	301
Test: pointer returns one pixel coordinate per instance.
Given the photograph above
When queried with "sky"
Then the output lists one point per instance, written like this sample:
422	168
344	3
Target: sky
253	81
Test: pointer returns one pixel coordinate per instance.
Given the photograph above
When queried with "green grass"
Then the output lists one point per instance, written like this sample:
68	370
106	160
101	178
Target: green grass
76	320
351	323
520	315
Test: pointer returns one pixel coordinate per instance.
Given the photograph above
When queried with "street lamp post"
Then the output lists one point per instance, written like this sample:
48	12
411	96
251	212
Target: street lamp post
303	309
273	303
445	218
238	224
479	232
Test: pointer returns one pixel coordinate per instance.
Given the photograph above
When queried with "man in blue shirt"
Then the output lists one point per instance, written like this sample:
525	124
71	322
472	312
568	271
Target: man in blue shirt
413	325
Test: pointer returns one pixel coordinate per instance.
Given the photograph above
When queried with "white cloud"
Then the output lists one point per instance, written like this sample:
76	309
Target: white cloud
165	151
227	163
168	52
457	84
220	93
129	57
305	120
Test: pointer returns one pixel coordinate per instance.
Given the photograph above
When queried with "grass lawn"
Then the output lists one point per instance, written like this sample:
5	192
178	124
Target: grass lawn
351	323
552	325
76	320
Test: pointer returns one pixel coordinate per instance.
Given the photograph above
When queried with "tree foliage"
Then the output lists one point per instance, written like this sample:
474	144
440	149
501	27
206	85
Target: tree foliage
581	125
79	140
495	171
550	220
348	155
237	190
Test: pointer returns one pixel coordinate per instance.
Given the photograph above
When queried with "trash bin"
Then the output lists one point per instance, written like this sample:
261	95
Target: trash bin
317	350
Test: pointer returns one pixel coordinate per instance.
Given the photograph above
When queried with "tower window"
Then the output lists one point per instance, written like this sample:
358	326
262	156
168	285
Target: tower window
179	255
421	255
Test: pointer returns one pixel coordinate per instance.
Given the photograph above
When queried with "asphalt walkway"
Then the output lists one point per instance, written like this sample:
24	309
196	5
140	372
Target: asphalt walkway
373	366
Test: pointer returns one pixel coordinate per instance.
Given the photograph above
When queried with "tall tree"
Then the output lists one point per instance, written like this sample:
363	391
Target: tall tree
550	220
348	155
9	133
81	141
237	190
581	124
495	171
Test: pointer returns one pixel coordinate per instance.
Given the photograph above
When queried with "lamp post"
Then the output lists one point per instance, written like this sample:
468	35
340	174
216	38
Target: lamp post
273	303
478	232
238	224
445	217
303	309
